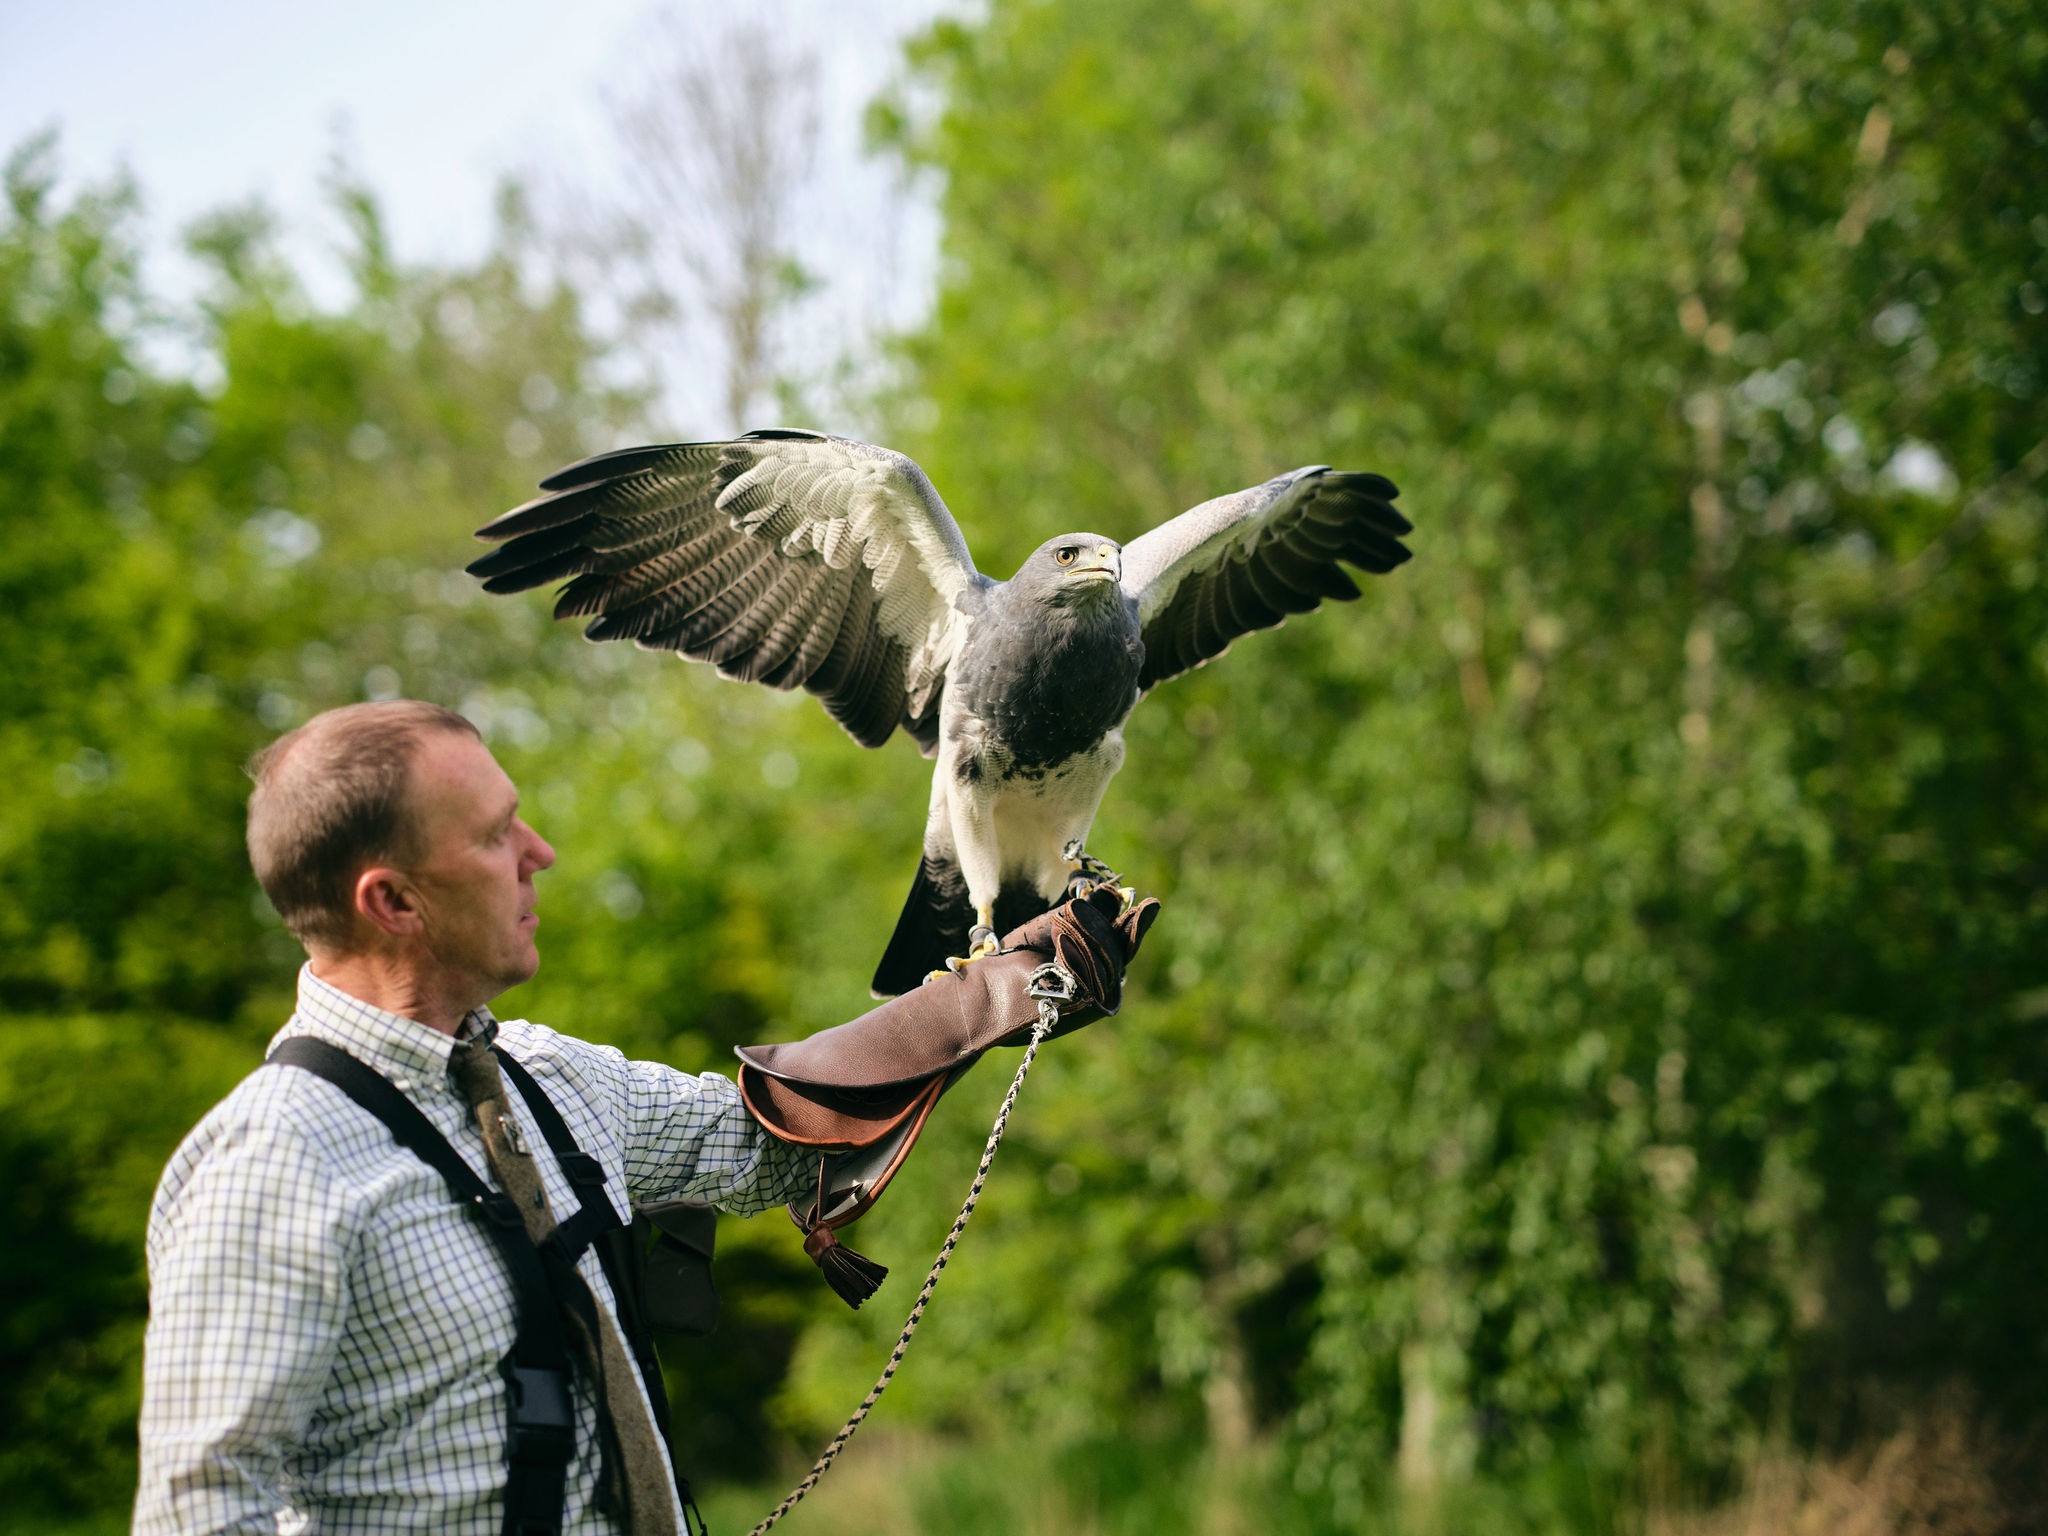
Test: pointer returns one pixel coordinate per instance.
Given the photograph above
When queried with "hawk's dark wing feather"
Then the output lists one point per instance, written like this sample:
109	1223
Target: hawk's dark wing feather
1246	561
784	558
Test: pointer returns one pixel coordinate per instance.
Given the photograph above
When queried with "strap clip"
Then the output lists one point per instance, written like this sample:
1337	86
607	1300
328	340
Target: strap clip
500	1210
1051	982
543	1420
1049	986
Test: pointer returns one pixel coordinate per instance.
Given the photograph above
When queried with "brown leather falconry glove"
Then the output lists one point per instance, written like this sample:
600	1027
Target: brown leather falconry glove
859	1093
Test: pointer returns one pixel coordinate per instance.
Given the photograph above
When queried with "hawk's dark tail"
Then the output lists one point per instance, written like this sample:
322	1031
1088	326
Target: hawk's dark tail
936	920
934	924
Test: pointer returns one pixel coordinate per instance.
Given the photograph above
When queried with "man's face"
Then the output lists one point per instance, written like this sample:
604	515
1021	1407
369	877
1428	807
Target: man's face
475	882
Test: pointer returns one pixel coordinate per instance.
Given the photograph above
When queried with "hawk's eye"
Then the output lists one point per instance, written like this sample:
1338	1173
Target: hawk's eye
1065	556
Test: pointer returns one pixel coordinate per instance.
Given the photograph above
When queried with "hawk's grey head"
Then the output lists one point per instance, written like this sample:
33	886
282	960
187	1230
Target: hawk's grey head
1071	570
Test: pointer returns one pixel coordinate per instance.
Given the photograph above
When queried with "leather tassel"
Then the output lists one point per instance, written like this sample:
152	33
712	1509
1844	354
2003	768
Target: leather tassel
854	1276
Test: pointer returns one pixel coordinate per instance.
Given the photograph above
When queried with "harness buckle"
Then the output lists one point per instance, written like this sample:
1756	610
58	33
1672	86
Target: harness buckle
543	1423
500	1211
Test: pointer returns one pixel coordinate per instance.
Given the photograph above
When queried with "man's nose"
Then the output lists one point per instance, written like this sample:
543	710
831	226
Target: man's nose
539	855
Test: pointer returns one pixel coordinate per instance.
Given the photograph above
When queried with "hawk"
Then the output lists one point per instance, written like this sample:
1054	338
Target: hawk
800	560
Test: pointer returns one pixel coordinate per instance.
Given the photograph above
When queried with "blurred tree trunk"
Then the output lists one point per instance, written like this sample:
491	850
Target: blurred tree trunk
1435	1448
719	143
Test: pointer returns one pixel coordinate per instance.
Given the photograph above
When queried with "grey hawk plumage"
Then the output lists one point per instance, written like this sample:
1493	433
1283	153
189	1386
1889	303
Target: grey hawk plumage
799	560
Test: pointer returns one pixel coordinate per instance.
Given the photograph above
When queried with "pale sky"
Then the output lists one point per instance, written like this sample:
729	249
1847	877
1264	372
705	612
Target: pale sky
212	101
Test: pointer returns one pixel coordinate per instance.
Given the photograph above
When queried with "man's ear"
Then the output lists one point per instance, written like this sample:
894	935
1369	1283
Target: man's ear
386	900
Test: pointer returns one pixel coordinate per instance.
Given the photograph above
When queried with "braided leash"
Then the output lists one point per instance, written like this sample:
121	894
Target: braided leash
1050	985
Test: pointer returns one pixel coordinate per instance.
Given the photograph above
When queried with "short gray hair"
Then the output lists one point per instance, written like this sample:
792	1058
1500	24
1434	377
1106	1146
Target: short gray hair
330	799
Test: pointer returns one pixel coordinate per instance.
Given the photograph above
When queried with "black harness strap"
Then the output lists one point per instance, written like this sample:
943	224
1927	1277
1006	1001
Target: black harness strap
598	1224
594	1219
542	1423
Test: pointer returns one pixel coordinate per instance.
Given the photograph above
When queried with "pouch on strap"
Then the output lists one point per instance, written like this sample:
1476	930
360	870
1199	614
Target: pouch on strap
674	1240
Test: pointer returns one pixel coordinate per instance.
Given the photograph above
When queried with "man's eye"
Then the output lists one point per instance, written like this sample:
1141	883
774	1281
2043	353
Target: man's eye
1065	556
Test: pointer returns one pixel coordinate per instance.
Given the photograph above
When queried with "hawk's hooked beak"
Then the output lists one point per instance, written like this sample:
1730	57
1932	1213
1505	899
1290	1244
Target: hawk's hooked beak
1105	562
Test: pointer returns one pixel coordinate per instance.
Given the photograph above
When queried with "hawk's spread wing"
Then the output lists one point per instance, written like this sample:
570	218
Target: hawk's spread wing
1245	561
786	558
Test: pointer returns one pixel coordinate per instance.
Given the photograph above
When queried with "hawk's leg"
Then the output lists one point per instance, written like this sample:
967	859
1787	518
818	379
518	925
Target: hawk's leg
981	939
981	943
972	808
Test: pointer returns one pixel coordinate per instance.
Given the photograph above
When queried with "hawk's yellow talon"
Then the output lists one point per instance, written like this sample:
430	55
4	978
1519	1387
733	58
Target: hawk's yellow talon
982	944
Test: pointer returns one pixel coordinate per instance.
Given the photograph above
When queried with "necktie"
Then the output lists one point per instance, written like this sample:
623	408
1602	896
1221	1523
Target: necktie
635	1475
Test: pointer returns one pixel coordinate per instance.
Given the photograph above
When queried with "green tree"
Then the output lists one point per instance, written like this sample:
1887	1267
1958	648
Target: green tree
1599	1002
193	564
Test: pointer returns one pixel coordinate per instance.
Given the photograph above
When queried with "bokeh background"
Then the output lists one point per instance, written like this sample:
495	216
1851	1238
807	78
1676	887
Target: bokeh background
1591	1074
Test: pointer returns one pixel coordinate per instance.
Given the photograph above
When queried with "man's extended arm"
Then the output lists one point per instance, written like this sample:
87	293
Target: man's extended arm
681	1135
691	1137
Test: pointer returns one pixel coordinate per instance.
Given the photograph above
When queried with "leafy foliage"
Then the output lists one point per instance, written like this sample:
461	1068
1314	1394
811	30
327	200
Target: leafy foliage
1603	967
190	567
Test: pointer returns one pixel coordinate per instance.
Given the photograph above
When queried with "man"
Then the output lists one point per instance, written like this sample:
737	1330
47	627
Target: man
332	1337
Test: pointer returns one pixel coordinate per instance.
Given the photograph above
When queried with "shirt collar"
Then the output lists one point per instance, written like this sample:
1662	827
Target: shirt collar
396	1046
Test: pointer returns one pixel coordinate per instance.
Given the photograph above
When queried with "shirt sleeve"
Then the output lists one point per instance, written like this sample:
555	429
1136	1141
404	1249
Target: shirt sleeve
690	1137
249	1243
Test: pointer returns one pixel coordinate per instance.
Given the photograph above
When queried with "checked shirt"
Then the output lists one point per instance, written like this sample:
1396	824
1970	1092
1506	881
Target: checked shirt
326	1323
